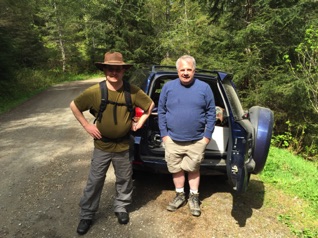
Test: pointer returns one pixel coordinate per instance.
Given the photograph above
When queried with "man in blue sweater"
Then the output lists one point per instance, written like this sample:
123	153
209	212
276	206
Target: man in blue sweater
186	113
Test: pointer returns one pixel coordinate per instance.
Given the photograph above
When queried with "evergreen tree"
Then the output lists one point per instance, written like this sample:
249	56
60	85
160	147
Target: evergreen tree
19	39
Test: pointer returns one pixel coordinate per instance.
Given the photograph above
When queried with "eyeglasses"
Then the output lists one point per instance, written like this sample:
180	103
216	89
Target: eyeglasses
112	69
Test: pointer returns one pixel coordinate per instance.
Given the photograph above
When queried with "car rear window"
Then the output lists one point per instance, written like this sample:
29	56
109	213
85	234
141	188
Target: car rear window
234	101
157	86
161	80
138	77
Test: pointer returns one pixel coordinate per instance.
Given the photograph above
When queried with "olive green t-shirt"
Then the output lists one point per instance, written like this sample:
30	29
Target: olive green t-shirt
91	98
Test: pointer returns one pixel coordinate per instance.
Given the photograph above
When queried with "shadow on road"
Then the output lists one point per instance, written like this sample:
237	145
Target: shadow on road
149	186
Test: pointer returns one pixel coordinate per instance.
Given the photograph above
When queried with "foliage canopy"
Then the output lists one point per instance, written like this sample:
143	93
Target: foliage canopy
270	46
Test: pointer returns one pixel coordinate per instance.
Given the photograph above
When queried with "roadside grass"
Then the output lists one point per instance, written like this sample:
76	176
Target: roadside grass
27	83
298	179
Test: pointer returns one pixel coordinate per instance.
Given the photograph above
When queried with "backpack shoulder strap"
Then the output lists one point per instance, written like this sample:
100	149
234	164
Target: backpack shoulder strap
128	98
104	99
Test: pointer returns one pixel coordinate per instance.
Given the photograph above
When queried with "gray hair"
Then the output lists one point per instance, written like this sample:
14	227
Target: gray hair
187	58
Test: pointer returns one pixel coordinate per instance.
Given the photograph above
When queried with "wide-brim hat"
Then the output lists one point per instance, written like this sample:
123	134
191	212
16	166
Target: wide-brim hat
112	58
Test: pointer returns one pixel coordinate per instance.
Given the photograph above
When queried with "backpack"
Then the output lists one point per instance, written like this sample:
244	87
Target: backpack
105	101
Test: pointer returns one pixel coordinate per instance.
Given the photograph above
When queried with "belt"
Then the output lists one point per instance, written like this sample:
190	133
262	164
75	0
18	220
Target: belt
114	140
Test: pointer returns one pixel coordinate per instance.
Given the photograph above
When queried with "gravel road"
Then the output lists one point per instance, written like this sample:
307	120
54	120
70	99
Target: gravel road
44	160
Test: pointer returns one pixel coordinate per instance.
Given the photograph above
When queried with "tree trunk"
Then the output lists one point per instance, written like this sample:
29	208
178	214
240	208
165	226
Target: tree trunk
60	39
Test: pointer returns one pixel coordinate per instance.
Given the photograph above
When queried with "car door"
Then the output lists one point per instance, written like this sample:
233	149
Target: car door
239	151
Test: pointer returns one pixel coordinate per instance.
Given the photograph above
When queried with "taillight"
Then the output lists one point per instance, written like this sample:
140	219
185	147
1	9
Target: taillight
246	115
138	113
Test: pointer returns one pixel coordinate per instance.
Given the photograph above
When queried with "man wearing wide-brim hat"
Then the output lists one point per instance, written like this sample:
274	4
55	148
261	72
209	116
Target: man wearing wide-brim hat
111	138
114	58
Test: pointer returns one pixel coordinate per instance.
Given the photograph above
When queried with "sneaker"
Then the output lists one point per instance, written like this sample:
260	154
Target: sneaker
194	204
177	202
84	226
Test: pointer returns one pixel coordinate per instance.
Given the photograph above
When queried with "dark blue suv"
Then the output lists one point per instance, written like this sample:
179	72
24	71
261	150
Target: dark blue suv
240	141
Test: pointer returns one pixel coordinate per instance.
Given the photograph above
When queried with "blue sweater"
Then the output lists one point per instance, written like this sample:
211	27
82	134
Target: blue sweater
186	113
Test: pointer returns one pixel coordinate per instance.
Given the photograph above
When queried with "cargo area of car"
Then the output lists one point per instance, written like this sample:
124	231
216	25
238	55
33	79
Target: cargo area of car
216	151
239	144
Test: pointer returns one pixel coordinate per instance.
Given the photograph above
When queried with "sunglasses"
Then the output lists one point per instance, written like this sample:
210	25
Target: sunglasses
112	69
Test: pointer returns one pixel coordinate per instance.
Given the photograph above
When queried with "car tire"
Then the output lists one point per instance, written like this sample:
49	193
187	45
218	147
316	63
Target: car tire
262	120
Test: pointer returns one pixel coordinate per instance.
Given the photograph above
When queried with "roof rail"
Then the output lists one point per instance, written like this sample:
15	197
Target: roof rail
221	75
155	68
197	70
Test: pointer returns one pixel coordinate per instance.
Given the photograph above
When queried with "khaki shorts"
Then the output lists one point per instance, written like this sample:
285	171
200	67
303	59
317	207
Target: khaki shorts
185	156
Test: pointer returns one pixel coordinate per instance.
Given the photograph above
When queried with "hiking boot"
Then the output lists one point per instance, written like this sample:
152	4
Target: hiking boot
194	204
123	217
84	226
177	202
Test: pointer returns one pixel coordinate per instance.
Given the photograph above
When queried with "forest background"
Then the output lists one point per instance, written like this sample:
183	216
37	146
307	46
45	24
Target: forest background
270	46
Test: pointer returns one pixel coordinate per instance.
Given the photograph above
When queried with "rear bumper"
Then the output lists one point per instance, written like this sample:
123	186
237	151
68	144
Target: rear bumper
159	166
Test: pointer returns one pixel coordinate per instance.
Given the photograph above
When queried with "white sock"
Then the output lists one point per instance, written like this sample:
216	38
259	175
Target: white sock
194	191
180	190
